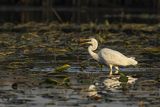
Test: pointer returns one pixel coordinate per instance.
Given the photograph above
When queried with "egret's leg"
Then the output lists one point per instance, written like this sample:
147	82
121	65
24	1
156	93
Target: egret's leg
117	70
110	66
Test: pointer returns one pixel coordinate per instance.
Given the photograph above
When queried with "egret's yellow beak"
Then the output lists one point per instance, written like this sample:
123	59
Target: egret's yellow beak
85	41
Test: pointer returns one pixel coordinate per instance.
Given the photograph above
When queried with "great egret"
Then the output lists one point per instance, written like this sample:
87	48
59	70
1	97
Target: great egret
108	56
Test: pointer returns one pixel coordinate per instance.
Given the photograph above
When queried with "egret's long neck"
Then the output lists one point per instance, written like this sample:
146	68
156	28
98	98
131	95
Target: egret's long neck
92	48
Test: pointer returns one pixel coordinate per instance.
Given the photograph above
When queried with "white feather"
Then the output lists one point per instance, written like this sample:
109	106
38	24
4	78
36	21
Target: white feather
108	56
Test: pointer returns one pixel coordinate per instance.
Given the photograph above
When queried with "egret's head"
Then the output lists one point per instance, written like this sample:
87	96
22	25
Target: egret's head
133	61
92	41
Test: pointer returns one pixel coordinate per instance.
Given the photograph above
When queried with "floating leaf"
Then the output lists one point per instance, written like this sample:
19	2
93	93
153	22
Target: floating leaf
51	81
66	80
123	78
14	65
152	49
62	68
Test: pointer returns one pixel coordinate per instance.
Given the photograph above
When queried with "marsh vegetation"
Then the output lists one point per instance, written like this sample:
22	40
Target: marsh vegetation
44	65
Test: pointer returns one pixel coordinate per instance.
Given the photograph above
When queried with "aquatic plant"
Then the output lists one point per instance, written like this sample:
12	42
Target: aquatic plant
123	78
51	81
61	68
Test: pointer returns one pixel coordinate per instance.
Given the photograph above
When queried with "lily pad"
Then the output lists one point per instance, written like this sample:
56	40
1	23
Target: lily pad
66	82
51	81
61	68
123	78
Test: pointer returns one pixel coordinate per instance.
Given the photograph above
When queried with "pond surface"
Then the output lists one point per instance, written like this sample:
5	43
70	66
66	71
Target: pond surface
26	91
28	52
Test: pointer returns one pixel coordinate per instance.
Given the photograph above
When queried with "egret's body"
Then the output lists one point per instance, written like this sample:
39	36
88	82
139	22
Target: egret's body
109	57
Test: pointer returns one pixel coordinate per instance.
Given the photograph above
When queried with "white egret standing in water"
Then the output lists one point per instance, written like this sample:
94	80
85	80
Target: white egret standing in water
109	57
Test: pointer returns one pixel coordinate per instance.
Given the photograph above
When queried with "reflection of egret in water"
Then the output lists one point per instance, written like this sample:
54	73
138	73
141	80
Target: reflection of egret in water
108	56
115	82
93	93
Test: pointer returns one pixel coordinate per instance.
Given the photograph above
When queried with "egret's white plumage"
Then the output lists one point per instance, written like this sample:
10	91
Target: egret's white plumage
109	57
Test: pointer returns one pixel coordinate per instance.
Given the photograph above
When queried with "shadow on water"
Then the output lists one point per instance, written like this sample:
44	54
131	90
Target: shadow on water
30	54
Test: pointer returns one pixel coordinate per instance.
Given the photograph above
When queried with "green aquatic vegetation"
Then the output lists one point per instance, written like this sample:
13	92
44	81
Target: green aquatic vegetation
60	69
67	79
92	25
56	44
66	82
30	26
56	50
127	43
88	27
152	49
20	63
84	27
73	47
57	82
15	65
53	25
136	27
29	36
5	53
51	81
7	27
31	39
58	79
123	78
4	44
7	39
106	23
100	37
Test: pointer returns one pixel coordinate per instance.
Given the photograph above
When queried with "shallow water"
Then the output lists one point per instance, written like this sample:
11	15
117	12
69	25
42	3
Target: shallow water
26	57
28	94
